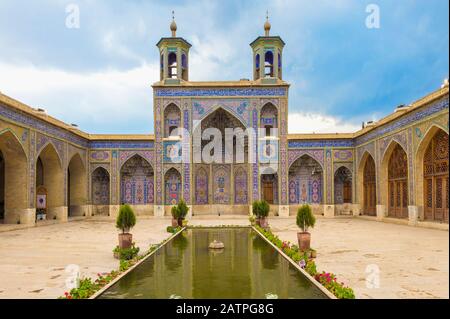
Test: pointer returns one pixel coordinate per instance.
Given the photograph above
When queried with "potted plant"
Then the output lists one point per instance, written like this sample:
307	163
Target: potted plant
183	210
175	213
305	220
264	209
125	222
261	210
255	211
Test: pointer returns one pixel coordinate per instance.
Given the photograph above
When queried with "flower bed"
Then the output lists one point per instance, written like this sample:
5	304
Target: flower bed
88	287
328	280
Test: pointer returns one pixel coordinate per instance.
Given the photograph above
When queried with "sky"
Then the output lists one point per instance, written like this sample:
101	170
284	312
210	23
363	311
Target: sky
341	72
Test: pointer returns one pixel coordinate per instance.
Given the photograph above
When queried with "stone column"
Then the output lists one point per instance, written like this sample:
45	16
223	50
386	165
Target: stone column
413	215
381	212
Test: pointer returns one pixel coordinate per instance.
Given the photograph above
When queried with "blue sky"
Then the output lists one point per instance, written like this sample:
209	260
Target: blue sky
342	73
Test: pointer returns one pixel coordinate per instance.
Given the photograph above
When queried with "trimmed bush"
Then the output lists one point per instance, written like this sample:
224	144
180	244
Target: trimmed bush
175	212
305	218
183	209
260	208
126	219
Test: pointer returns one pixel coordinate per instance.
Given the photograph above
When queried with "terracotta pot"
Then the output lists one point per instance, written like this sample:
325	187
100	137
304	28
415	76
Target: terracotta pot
180	222
304	241
125	240
174	222
258	221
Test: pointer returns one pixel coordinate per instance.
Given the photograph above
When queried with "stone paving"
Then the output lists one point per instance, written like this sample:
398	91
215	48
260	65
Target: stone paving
412	262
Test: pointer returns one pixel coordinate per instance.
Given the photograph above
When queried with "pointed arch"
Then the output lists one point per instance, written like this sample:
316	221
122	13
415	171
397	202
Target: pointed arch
220	119
100	185
52	180
431	183
46	146
268	118
240	186
394	176
131	154
137	181
77	186
306	181
13	177
172	119
366	189
343	178
172	182
202	186
218	107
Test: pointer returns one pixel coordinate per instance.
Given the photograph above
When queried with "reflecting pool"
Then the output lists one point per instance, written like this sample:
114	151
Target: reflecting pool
248	268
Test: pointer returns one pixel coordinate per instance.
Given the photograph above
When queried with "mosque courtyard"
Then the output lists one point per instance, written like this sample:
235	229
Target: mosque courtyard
405	261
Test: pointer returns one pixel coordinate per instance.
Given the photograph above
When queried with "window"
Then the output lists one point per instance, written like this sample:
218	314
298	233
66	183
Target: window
257	66
173	130
172	65
268	66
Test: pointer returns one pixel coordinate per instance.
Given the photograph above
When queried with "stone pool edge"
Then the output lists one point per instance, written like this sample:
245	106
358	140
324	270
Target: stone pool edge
113	282
312	279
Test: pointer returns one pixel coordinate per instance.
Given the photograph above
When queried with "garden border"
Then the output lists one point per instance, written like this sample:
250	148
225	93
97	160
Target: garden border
311	278
115	280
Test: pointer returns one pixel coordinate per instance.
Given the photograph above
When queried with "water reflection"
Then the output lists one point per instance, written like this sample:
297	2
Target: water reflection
247	268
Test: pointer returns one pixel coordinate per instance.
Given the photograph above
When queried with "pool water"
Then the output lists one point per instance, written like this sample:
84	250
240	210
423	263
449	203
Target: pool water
248	268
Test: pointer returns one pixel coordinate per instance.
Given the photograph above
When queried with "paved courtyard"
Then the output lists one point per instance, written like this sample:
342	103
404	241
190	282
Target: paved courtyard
412	262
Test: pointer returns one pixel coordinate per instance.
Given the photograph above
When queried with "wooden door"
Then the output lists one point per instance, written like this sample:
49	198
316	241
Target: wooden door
398	184
435	173
268	192
369	188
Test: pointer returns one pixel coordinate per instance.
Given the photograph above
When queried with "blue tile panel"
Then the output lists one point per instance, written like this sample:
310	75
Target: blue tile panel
195	92
40	125
320	143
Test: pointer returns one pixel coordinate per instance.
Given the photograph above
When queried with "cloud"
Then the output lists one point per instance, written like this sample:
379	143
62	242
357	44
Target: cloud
319	123
105	101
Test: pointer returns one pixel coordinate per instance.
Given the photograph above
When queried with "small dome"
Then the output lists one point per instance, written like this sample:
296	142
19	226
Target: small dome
267	25
173	26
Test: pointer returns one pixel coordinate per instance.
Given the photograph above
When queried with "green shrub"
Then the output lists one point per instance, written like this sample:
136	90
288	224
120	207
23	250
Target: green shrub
173	230
124	265
305	218
310	267
86	289
260	208
126	219
126	253
175	212
183	209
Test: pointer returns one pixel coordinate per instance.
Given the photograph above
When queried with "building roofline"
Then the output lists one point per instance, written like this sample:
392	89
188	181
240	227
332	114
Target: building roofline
431	97
121	137
276	37
173	38
321	136
240	83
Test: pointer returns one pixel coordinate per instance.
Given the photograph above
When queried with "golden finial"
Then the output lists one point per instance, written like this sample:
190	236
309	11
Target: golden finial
267	25
173	25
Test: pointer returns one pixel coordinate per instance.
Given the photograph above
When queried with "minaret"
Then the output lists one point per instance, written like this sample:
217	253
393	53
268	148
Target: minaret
174	57
267	56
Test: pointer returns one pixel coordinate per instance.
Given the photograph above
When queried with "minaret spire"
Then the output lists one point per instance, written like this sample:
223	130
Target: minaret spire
173	25
267	25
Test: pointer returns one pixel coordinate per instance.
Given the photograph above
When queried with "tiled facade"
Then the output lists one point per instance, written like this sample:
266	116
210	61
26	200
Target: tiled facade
154	172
